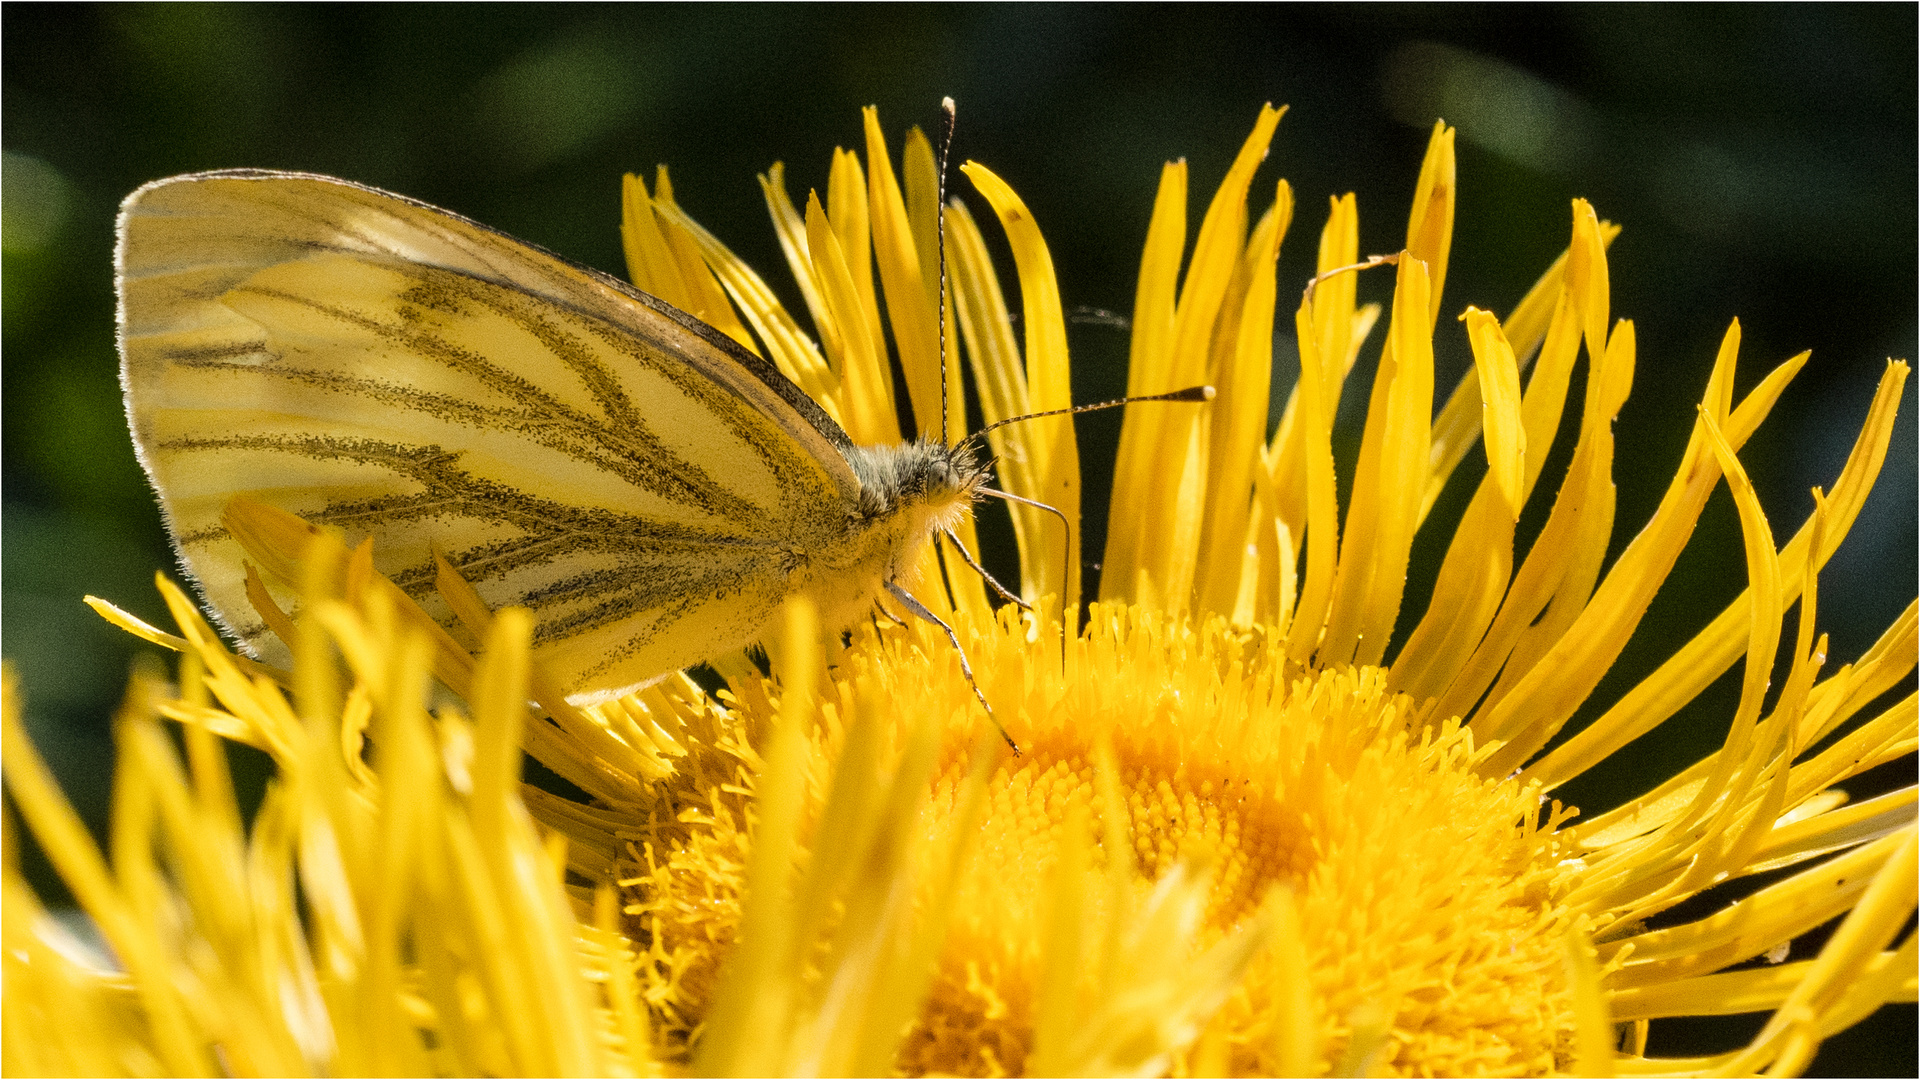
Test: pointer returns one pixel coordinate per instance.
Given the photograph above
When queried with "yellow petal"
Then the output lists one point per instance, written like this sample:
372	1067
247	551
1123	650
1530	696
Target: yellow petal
1499	374
1053	457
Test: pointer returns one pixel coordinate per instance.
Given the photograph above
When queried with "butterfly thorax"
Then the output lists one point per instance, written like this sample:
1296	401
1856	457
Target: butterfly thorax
908	493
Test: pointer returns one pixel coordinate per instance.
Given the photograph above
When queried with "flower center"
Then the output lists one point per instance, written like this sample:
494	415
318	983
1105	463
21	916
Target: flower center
1174	779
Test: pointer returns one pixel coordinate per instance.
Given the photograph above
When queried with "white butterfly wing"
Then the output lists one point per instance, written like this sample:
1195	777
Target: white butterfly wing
570	444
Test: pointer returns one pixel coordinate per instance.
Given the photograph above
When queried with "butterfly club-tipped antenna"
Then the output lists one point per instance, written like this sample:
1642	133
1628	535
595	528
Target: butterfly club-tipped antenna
1191	393
978	438
947	121
901	596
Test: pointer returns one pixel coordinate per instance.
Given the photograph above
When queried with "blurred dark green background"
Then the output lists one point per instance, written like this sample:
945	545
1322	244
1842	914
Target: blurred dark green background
1762	159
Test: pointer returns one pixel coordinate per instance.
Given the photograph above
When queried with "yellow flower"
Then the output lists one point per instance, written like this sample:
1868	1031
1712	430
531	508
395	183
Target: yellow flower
1248	830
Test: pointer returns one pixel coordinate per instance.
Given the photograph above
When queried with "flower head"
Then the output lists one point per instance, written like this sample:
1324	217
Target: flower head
1249	831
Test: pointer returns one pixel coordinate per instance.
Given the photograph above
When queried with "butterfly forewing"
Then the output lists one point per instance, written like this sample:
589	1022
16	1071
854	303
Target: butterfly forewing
373	363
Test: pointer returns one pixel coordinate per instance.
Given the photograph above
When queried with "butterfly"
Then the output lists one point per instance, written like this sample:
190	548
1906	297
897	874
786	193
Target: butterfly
651	490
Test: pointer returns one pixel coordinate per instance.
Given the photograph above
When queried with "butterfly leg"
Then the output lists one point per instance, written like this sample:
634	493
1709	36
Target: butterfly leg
919	611
891	617
982	571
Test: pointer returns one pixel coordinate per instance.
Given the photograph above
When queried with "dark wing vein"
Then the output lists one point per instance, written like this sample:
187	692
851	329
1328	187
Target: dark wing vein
624	444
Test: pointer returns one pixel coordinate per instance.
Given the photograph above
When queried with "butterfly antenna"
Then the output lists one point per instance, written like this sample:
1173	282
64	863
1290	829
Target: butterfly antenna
1191	393
940	256
919	611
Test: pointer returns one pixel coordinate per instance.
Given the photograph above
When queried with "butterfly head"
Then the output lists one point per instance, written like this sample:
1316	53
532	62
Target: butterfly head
921	479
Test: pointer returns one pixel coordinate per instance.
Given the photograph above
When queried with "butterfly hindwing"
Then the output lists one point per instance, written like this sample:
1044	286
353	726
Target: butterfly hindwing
369	362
